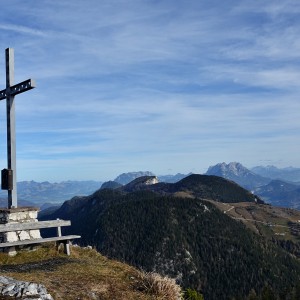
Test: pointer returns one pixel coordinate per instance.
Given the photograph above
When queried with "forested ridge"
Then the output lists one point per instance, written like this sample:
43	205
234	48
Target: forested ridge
201	186
185	238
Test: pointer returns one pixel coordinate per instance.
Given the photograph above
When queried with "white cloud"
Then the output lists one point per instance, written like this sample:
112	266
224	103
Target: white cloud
139	84
22	29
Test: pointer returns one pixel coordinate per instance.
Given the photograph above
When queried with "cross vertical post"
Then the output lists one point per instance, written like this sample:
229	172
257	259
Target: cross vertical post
11	130
9	178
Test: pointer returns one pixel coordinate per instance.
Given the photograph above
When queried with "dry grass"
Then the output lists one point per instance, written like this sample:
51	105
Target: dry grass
163	288
266	220
86	274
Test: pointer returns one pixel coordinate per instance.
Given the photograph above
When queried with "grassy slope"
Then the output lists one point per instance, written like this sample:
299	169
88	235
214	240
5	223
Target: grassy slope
269	221
84	275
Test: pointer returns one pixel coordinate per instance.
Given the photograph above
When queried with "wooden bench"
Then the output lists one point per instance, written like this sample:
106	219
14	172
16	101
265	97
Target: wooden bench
13	227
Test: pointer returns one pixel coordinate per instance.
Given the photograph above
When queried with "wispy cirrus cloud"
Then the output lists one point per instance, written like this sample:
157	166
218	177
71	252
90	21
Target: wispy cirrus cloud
22	30
153	85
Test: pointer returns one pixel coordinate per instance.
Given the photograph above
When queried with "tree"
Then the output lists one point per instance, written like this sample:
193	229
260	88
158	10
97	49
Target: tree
193	295
268	294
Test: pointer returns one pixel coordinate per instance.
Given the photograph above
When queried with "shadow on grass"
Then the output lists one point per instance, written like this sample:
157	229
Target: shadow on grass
45	266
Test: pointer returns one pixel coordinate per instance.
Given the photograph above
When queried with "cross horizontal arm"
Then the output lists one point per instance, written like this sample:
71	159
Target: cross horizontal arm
18	88
22	87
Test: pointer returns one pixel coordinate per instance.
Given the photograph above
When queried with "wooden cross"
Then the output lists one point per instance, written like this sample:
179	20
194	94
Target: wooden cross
9	94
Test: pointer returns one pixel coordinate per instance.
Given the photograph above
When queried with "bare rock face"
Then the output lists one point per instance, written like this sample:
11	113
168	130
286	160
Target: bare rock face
151	180
140	183
238	173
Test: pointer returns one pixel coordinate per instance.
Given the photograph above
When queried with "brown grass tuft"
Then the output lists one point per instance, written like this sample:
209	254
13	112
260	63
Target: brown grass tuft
164	288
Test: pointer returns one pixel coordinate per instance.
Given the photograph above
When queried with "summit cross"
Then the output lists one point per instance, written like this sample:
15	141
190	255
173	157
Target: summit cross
9	94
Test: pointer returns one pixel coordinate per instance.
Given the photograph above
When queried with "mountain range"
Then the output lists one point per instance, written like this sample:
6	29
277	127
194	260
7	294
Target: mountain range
280	193
178	230
125	178
274	191
38	193
257	180
45	194
286	174
239	174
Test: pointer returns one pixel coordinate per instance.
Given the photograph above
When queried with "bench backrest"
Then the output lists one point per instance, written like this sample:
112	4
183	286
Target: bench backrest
33	225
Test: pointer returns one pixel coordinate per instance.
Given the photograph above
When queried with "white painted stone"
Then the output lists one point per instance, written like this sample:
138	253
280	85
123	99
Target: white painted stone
12	217
11	237
32	214
22	216
35	234
16	216
23	235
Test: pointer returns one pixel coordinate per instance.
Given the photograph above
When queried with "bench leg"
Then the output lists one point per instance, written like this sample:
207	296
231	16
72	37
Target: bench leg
57	244
67	247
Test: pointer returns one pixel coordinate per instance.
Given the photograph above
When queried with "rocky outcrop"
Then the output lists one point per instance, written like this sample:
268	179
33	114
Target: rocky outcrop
23	290
140	183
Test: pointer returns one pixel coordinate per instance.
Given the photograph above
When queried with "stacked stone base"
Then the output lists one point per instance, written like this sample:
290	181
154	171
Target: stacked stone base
16	216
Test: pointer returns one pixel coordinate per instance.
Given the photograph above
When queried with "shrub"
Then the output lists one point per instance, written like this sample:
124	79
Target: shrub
192	295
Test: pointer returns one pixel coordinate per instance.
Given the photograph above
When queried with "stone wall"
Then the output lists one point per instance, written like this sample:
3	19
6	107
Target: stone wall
18	215
22	214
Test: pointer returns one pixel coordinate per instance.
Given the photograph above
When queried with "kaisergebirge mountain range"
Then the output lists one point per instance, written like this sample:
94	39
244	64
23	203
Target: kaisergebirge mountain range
279	187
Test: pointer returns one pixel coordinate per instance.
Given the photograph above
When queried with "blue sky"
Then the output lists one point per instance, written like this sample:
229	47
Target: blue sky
165	86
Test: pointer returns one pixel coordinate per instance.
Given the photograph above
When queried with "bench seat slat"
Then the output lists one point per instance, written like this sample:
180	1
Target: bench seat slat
33	225
39	241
